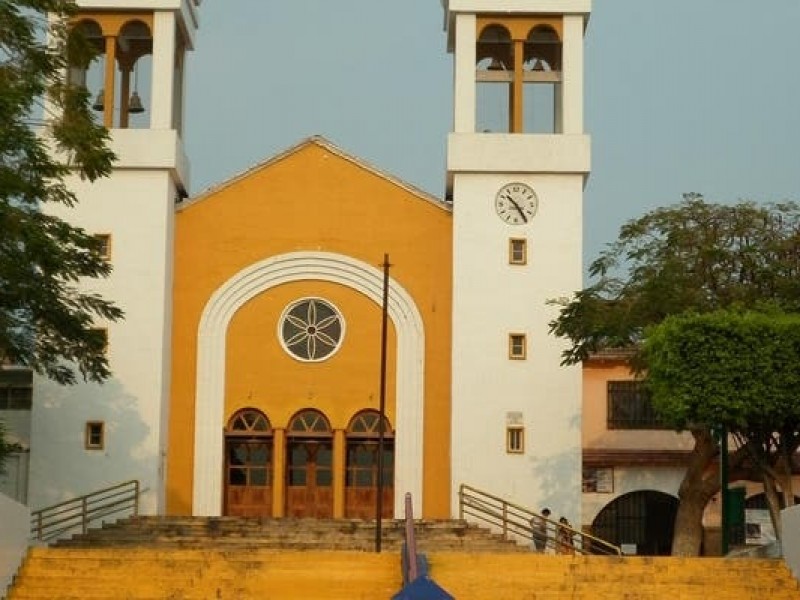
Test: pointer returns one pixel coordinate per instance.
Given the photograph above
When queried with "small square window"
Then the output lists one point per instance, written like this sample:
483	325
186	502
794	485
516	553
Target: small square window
598	480
517	251
517	346
16	389
104	240
515	440
94	437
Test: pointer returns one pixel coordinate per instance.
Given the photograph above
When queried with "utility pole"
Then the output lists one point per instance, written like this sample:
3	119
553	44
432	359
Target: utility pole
382	407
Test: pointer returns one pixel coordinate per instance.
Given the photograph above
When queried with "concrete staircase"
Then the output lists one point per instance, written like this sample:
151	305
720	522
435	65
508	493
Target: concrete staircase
183	558
289	534
180	574
539	577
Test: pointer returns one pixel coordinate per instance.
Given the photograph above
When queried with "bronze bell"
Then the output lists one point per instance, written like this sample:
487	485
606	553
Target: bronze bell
135	105
99	101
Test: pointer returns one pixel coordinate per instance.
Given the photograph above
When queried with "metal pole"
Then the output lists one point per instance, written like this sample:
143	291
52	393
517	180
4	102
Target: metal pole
382	408
411	541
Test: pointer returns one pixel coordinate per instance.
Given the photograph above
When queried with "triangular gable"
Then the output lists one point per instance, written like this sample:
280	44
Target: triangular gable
320	141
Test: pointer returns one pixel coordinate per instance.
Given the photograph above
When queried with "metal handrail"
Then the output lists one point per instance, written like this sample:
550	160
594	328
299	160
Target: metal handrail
53	521
514	520
411	543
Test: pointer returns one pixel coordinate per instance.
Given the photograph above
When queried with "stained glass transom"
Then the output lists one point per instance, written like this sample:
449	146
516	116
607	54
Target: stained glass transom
311	329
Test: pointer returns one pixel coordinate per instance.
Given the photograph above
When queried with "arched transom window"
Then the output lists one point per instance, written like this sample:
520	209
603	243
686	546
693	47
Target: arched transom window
249	422
310	423
365	425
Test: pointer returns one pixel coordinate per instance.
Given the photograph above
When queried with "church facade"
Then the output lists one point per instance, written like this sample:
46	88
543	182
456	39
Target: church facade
248	373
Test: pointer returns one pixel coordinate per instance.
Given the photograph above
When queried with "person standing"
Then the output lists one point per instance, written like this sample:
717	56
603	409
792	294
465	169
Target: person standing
539	530
564	541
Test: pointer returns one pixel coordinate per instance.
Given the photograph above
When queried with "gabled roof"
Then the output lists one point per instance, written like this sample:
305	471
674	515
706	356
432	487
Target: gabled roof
333	149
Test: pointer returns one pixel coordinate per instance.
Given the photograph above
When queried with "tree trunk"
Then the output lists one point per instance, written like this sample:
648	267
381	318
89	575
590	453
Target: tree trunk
773	503
688	537
778	489
700	483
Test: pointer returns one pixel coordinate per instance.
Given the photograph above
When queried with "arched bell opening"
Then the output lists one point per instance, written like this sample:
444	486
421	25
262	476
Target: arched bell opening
135	67
87	60
309	466
248	464
542	65
494	76
119	76
362	469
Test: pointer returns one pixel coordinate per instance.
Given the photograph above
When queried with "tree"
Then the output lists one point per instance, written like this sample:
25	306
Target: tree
47	134
693	256
5	448
739	372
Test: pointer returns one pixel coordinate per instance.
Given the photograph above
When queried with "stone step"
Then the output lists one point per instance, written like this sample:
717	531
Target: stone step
620	578
298	534
147	573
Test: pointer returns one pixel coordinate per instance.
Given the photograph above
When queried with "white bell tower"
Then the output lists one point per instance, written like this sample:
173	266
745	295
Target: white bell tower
517	162
88	436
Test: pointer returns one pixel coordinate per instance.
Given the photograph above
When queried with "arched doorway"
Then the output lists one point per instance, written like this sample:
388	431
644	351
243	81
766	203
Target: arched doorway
361	477
645	519
248	464
309	466
259	277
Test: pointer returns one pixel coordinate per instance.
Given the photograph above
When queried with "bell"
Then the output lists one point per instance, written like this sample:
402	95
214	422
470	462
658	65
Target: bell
135	105
496	65
99	101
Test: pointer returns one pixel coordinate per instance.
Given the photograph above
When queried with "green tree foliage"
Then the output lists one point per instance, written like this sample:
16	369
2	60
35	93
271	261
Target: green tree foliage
5	448
47	133
694	256
740	371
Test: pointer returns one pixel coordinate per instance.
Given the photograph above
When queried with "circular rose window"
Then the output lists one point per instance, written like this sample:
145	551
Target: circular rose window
311	329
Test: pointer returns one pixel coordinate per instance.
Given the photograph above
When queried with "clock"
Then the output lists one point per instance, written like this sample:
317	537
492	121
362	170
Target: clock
516	203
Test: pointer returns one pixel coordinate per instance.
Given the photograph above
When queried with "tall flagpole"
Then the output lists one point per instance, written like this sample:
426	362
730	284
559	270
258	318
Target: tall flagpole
382	407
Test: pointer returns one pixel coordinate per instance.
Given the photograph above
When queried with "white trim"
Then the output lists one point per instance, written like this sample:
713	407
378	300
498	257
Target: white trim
210	377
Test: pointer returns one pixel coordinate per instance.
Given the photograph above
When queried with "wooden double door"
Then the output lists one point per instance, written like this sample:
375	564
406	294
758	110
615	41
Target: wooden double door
309	478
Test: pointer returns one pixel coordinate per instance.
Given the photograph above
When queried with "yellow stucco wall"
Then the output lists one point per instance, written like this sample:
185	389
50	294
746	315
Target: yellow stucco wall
312	198
261	374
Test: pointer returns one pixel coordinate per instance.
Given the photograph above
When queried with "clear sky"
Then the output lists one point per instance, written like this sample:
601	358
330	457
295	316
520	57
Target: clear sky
681	95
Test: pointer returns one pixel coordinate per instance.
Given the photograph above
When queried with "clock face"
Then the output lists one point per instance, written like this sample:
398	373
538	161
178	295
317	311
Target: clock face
516	203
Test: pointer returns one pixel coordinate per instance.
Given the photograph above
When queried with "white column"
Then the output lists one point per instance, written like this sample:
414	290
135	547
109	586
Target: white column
572	85
464	84
558	109
162	87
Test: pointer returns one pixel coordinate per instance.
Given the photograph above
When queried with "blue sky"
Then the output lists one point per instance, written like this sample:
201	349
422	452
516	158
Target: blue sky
681	95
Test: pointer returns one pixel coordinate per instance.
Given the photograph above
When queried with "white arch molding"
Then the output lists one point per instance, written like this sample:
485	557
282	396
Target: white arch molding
210	377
